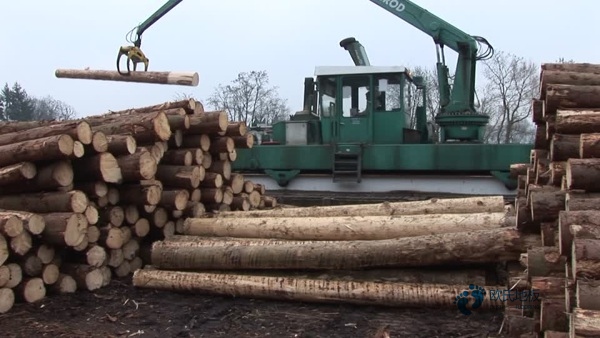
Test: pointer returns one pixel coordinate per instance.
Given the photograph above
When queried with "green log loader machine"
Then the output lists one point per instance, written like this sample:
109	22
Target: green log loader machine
354	133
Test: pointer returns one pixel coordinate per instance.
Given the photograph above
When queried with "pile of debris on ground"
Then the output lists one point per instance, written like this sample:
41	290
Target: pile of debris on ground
559	198
79	199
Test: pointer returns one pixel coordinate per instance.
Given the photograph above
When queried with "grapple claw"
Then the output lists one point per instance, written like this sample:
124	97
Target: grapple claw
134	56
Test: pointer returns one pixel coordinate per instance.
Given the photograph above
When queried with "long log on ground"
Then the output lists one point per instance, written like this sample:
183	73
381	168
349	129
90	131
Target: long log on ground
583	174
43	149
17	173
587	294
577	121
78	130
342	228
433	206
167	78
563	147
483	246
571	96
309	290
585	323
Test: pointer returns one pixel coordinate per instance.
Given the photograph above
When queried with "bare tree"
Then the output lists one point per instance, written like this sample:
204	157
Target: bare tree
48	108
512	82
250	98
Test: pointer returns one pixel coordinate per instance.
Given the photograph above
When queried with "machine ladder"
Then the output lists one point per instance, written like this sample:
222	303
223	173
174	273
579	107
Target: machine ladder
347	163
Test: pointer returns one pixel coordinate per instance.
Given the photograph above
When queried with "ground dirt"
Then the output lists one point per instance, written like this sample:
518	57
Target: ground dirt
120	310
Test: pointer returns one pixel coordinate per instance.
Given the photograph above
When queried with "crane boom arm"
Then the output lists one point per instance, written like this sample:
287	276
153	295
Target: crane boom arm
461	98
164	9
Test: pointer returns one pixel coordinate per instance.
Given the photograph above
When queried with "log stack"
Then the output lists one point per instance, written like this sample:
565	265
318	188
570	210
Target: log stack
421	254
559	198
79	198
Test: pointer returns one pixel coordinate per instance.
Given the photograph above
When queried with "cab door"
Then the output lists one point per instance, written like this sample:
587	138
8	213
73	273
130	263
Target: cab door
354	113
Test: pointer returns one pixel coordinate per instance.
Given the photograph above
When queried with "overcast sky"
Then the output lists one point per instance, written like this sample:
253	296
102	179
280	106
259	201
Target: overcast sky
219	39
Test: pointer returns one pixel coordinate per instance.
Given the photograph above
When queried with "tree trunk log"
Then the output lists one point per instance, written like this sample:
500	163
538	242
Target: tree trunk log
585	258
585	323
43	149
342	228
552	315
53	176
119	145
557	171
180	157
7	300
568	218
308	290
139	194
588	294
546	204
31	290
589	145
71	201
563	147
548	287
33	223
583	174
578	121
3	249
145	128
17	173
87	277
517	169
138	166
103	167
64	229
482	204
166	78
485	246
10	225
184	177
190	106
550	77
244	142
545	261
78	130
572	67
562	96
208	123
582	201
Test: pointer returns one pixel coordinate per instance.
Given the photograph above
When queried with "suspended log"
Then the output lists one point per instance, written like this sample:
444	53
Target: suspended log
578	121
583	174
585	323
571	96
467	205
563	147
585	258
495	245
307	290
166	78
342	228
42	149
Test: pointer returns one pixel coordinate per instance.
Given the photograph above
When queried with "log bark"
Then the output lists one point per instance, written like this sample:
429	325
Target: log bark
546	204
235	129
587	294
184	177
31	290
22	243
583	174
482	204
537	110
585	258
43	149
549	287
53	176
87	277
540	140
549	231
342	228
64	228
578	121
553	316
582	201
71	201
485	246
139	194
585	323
581	67
208	123
557	171
568	218
190	106
562	96
308	290
589	145
145	128
94	189
183	157
174	199
517	169
102	167
166	78
563	147
550	77
244	142
545	262
17	173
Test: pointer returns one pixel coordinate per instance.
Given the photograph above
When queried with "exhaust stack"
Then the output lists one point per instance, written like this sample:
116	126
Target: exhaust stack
356	50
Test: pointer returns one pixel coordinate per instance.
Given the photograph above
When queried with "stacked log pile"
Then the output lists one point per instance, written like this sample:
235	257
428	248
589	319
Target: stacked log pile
421	254
559	197
79	198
